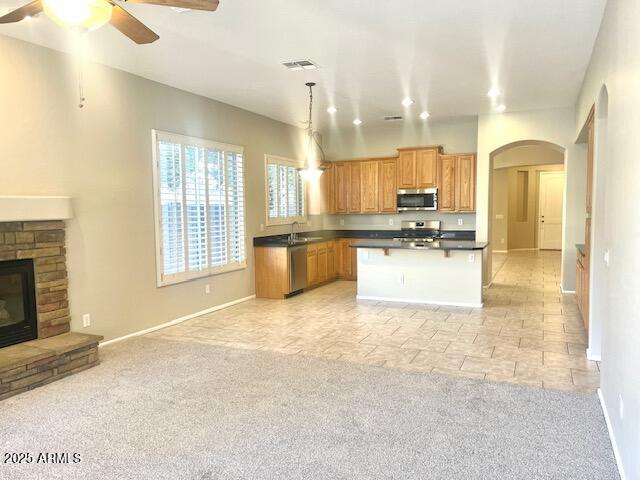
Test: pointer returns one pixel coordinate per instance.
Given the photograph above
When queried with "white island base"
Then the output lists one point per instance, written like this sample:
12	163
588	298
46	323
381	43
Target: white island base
421	276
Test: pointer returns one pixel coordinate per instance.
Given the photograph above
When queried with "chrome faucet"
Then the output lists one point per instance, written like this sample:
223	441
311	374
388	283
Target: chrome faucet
294	235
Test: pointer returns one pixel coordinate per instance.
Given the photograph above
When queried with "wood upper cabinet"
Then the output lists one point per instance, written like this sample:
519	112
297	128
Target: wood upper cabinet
341	186
355	188
369	184
327	187
407	169
312	265
388	185
418	167
447	183
427	168
465	179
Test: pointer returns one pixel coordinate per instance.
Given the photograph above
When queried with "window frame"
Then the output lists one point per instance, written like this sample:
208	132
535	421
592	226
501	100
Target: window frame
277	160
163	280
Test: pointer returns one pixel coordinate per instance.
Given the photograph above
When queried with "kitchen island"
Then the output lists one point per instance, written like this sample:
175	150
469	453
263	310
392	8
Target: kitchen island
438	272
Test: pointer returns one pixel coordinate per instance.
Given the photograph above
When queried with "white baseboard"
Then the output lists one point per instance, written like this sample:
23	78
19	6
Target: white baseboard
421	302
178	320
614	445
590	356
567	292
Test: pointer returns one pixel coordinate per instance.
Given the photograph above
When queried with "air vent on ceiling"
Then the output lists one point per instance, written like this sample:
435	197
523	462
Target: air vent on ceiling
300	65
391	118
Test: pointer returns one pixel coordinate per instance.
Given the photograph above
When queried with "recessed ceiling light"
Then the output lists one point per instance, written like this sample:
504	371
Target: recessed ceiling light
494	92
357	121
332	110
501	108
424	115
406	102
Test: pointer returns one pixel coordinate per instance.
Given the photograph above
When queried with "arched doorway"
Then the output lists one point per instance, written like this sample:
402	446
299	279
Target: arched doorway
521	163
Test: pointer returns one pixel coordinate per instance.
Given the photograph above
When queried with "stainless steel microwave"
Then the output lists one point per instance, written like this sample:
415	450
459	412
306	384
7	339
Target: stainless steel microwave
417	199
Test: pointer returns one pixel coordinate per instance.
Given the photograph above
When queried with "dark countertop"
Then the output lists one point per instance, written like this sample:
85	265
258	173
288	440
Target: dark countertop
580	248
324	235
435	245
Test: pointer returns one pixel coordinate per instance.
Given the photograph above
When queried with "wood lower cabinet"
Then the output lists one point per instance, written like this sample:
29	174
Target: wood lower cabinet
272	272
323	272
369	184
447	183
332	264
388	188
312	265
348	266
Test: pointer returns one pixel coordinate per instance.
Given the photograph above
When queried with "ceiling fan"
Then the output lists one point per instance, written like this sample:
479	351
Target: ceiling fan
92	14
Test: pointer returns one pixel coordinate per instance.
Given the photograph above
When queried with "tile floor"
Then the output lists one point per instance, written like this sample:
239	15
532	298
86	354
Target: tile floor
526	333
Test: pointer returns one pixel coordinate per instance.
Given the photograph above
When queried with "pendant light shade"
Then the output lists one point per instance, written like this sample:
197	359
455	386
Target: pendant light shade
312	171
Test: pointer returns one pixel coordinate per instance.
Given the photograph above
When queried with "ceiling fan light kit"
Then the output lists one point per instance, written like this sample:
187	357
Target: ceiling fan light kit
92	14
89	14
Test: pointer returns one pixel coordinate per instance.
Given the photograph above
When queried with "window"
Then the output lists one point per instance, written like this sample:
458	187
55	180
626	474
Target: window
285	191
199	207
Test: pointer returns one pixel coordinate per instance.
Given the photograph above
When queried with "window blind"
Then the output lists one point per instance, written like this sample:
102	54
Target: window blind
285	191
200	210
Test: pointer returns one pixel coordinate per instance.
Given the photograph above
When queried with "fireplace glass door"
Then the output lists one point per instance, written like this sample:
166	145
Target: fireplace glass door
18	315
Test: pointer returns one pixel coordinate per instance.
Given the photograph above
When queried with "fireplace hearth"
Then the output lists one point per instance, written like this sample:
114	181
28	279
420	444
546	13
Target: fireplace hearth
18	314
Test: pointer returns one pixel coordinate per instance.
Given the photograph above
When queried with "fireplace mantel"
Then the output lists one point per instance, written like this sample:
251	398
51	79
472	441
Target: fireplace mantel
34	208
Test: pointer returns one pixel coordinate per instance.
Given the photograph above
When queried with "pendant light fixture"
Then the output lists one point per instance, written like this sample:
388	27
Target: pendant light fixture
312	169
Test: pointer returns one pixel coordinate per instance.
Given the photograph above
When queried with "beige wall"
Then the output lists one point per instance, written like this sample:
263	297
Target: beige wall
101	156
616	64
554	126
456	135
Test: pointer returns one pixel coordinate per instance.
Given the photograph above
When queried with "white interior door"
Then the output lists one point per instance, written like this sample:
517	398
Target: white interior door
550	218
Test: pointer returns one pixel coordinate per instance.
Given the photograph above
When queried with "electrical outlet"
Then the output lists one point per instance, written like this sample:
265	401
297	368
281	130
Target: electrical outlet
262	227
502	240
86	320
391	221
460	221
401	279
621	407
607	257
207	288
342	222
472	257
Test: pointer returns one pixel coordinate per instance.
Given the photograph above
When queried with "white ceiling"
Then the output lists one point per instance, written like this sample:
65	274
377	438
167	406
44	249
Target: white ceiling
444	54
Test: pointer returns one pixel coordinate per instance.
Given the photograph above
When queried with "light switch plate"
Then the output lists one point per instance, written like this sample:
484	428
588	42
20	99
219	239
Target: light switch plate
607	257
86	320
472	257
391	221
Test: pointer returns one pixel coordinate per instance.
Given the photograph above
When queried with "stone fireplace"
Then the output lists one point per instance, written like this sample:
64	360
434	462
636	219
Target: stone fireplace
36	345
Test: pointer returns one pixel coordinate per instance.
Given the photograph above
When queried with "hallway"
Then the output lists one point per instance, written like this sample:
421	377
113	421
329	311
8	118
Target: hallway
527	333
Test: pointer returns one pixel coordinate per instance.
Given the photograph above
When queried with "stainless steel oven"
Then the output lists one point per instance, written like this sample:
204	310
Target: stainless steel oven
417	199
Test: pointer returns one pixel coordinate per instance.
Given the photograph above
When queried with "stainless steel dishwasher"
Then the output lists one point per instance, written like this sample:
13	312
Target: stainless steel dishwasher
297	268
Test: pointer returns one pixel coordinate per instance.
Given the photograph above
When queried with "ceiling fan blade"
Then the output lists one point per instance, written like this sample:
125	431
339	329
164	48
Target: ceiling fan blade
28	10
131	26
210	5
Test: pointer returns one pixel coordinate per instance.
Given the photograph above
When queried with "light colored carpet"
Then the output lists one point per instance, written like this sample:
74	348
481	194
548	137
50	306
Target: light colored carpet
161	410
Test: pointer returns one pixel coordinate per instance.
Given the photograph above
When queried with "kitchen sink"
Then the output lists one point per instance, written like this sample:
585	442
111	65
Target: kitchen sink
303	240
